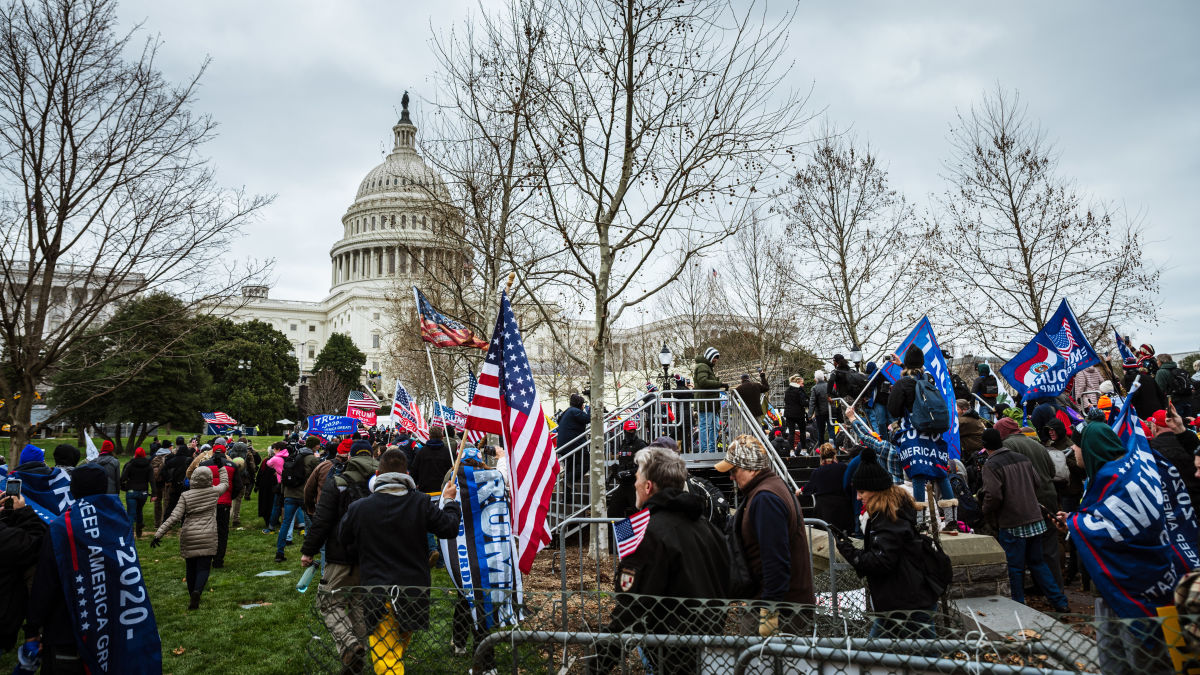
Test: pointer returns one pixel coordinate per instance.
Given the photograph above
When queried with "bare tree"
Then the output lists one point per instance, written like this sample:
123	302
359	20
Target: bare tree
326	394
689	304
654	115
1015	238
757	287
104	188
855	255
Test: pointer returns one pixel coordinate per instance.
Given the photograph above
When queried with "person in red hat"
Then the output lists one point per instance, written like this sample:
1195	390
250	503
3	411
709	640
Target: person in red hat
623	501
135	481
111	465
1175	442
218	463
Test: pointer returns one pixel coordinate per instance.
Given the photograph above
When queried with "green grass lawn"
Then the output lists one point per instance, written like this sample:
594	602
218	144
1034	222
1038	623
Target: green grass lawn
221	637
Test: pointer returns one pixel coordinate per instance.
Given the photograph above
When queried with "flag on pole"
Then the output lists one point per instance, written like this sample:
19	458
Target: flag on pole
473	436
506	403
1044	366
406	414
1126	353
218	418
362	401
92	452
628	533
441	330
935	364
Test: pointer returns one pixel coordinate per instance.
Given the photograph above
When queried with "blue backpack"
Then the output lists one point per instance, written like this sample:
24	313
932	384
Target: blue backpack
930	413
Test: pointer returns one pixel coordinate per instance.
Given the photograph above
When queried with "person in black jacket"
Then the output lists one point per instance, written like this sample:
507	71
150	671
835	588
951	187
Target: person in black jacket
573	423
135	481
176	469
621	501
1177	444
1149	398
818	407
795	409
681	555
432	462
21	537
889	547
826	485
386	533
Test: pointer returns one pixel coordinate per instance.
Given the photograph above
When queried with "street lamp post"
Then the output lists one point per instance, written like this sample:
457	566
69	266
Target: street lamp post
666	358
856	356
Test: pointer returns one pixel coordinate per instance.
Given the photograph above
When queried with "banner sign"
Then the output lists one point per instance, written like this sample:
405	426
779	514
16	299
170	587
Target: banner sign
48	495
935	364
1135	529
102	581
331	425
1045	365
483	560
367	417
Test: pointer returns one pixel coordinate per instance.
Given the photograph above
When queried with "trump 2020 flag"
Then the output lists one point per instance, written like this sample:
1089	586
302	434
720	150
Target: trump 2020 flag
935	364
47	494
1135	529
1045	365
102	582
441	330
327	426
1123	348
506	403
482	559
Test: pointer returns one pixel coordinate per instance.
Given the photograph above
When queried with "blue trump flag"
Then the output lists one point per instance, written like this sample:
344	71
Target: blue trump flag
331	425
482	559
102	582
1135	529
935	364
1045	365
47	494
1122	347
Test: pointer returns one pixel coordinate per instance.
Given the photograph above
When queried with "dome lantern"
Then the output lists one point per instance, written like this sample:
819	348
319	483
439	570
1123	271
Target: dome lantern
405	132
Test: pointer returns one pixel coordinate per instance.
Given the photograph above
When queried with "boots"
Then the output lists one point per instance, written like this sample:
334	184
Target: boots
949	509
195	603
920	516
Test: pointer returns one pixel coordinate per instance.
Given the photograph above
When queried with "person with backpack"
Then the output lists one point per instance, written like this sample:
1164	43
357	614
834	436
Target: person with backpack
293	468
1175	383
344	484
176	467
891	557
219	463
1010	485
986	387
1045	467
924	415
160	487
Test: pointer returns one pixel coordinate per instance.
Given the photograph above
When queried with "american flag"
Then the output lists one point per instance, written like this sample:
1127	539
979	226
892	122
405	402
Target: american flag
407	415
473	436
218	418
1064	340
362	401
629	532
506	403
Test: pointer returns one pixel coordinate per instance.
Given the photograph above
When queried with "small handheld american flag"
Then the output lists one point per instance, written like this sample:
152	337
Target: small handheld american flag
628	533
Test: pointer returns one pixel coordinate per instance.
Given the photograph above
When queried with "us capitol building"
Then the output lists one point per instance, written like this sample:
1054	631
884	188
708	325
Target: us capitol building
389	240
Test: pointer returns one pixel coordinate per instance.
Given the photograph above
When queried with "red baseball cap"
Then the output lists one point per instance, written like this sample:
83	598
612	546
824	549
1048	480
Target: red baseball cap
1159	418
630	425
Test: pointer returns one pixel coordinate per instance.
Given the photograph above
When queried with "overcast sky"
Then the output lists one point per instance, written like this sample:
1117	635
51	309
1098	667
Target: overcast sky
306	93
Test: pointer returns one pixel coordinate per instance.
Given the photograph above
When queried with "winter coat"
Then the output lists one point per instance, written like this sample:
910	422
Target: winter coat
818	400
1010	486
158	472
1088	380
175	467
573	423
1179	449
316	481
704	377
430	467
752	393
886	560
795	402
136	475
1043	466
233	476
197	508
112	468
1166	372
332	504
681	555
386	532
834	504
266	484
1148	399
970	433
21	535
774	541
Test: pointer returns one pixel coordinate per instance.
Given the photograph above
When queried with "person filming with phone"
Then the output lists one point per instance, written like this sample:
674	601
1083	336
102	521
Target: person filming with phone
21	534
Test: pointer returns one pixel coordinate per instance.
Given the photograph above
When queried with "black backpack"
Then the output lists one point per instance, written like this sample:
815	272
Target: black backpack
293	475
933	564
742	584
349	492
854	382
968	508
930	414
990	388
1179	384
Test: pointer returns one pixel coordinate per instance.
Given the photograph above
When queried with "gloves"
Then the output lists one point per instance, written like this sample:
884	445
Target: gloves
155	542
846	548
768	622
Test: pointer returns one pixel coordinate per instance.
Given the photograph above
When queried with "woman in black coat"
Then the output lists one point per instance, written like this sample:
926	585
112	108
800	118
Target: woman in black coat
890	548
795	410
135	481
265	483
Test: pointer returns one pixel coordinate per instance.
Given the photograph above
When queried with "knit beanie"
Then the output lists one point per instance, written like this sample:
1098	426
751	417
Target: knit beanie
106	448
992	439
32	453
358	447
870	476
710	354
66	454
1100	445
1006	426
914	357
983	369
345	446
89	479
139	453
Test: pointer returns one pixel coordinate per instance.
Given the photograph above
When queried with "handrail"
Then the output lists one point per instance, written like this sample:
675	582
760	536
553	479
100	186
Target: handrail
754	429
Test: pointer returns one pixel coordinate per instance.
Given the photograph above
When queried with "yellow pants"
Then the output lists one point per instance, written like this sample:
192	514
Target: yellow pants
387	647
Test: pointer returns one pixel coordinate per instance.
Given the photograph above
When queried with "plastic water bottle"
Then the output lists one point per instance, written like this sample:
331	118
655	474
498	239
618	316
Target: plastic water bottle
305	578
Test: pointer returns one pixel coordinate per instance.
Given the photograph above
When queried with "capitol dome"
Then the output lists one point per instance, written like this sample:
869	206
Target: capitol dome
398	224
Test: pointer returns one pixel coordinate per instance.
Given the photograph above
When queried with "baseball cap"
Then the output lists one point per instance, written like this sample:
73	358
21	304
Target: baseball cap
745	452
630	425
1159	418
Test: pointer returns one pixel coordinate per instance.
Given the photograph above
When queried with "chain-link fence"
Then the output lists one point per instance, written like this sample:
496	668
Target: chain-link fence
437	630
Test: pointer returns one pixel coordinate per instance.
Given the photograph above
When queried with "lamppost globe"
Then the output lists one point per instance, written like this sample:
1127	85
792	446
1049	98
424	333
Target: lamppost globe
856	353
666	358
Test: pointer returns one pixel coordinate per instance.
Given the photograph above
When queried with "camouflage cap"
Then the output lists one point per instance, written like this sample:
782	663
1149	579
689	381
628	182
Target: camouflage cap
745	452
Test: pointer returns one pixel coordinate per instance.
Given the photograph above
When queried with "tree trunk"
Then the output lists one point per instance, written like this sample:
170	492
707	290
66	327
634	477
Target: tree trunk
599	508
20	429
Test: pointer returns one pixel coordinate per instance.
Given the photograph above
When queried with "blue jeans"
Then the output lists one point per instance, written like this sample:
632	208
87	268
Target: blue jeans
134	501
708	430
1024	553
984	412
943	486
905	625
880	419
291	510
